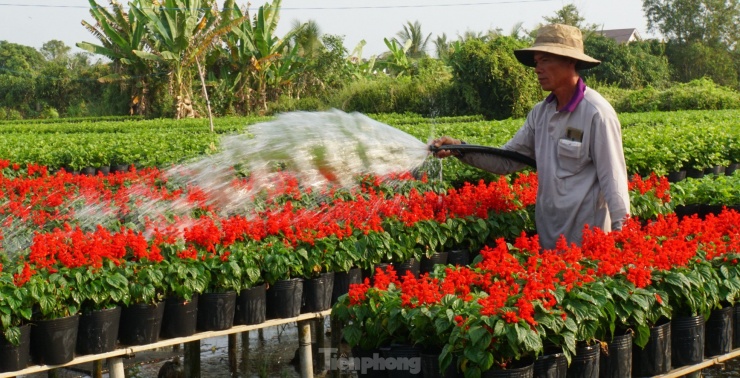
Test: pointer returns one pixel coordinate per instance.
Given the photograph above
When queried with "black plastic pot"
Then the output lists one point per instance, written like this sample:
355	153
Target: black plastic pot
715	170
180	317
119	168
585	363
706	209
98	331
251	306
407	360
523	369
87	171
687	210
411	265
369	370
458	257
552	364
370	273
16	357
694	173
283	299
719	332
342	280
53	341
655	357
616	360
317	293
141	323
687	340
216	311
677	176
430	367
103	170
731	168
428	263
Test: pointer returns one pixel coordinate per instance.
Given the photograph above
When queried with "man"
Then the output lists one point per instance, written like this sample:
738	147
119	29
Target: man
574	136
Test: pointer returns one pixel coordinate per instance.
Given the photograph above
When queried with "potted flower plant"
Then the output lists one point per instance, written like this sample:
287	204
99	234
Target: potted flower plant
483	342
103	288
15	311
318	277
374	248
692	297
56	319
364	318
343	258
251	300
141	317
217	304
185	278
283	271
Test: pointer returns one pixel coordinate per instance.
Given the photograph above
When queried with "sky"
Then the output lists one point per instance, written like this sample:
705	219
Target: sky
34	22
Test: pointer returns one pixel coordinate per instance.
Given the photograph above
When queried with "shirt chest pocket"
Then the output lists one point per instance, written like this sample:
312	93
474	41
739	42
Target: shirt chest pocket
572	156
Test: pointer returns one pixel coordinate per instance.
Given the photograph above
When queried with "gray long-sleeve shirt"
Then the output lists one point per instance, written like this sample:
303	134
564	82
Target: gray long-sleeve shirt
581	171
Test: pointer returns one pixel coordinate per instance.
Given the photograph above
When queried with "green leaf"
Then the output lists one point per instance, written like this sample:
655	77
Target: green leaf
642	335
641	301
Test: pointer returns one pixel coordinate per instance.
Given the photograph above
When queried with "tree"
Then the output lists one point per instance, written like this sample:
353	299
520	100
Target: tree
327	71
632	65
19	59
444	48
56	86
713	22
697	60
419	44
182	32
441	46
569	15
308	38
396	62
490	79
263	62
55	50
19	68
120	34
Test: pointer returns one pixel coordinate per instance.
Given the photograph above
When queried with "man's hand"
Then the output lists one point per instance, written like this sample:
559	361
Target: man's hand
445	140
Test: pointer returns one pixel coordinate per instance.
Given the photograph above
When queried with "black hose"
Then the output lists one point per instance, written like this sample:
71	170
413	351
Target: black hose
513	155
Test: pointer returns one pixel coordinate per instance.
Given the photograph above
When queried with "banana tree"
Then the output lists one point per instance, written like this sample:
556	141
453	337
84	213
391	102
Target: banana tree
359	67
396	62
181	31
263	61
120	34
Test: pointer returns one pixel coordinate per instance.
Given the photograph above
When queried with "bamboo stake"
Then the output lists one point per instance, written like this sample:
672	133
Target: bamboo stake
192	359
233	366
336	341
205	92
304	344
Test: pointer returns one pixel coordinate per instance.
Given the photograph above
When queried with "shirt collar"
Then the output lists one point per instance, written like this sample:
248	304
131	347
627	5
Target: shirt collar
574	101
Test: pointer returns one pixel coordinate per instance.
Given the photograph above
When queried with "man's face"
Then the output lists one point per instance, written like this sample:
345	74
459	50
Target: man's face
553	71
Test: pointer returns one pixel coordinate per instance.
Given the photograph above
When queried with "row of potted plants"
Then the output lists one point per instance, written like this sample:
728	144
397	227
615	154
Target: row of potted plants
196	250
516	298
79	243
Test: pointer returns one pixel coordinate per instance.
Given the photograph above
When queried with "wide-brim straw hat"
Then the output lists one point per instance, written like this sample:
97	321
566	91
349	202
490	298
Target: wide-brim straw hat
558	39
